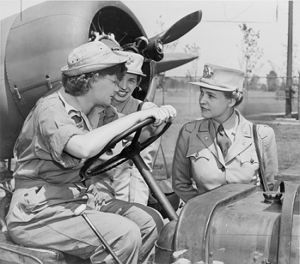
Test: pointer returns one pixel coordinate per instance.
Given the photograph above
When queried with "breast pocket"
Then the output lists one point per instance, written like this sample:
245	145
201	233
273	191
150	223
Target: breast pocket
248	166
243	168
248	160
205	170
202	154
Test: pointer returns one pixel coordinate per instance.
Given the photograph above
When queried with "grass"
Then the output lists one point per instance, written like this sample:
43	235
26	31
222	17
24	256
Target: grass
186	102
288	144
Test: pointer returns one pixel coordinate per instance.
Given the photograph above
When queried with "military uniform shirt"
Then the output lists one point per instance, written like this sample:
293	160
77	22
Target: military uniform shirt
45	175
199	165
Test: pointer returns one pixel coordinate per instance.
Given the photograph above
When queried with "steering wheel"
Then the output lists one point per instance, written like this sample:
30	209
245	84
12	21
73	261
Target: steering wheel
94	166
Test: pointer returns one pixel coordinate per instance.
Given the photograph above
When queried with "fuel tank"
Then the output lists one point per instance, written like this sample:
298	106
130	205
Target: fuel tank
235	224
35	45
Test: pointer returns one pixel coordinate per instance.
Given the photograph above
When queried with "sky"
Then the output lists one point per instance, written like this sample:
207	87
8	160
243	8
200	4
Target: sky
218	35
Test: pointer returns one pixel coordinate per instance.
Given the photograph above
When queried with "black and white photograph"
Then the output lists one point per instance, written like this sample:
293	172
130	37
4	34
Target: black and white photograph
150	132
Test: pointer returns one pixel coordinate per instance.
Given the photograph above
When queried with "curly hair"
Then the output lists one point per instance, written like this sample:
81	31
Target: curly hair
80	84
237	95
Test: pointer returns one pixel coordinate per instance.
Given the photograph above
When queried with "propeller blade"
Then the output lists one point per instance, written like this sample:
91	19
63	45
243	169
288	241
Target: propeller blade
173	60
180	28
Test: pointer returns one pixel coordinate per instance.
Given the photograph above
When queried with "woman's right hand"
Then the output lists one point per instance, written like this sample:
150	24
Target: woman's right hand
161	114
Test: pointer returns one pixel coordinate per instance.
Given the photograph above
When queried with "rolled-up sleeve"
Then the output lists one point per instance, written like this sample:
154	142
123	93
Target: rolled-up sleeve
181	176
56	129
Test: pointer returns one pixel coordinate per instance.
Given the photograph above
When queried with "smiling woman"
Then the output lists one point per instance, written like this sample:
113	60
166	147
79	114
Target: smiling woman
131	80
220	148
125	180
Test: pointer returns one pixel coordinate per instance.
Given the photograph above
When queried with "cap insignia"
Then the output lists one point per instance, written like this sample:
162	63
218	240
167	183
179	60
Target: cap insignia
130	60
207	72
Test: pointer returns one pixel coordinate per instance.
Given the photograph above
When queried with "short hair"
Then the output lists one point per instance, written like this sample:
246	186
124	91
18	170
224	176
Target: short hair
80	84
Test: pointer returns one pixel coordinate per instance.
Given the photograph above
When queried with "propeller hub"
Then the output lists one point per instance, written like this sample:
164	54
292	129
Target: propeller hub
154	50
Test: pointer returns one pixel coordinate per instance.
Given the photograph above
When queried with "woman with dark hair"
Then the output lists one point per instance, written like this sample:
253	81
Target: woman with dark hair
55	140
219	148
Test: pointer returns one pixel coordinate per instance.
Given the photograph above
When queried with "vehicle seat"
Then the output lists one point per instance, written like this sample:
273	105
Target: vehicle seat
12	253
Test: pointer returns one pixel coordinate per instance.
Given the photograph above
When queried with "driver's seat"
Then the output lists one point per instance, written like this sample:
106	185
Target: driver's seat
11	253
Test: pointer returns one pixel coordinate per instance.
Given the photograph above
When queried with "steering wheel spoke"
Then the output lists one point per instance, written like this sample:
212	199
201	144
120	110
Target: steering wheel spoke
150	140
92	167
102	167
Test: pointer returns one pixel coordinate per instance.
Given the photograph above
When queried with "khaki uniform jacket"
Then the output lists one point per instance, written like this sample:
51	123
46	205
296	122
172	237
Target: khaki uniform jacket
199	166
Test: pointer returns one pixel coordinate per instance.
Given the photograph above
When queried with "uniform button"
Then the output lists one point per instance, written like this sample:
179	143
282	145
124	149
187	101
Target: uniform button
223	168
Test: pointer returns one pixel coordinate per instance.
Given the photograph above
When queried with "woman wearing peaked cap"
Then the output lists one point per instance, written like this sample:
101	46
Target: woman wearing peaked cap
219	148
55	140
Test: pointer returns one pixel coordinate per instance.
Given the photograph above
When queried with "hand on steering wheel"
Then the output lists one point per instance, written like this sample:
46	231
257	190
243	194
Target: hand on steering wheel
163	111
94	166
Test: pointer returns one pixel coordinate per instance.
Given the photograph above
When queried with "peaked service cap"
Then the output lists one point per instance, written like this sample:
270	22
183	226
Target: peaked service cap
221	78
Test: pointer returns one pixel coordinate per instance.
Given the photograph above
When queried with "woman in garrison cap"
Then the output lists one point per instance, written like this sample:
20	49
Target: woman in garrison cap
219	148
55	140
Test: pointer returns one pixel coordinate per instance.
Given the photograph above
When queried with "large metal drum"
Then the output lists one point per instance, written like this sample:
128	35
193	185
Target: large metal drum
234	224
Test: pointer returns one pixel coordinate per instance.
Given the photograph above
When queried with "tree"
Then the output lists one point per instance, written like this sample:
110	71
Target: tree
250	49
194	49
253	83
272	81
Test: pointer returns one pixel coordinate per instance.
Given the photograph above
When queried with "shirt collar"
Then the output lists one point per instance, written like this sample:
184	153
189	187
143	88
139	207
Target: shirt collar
230	125
71	110
231	122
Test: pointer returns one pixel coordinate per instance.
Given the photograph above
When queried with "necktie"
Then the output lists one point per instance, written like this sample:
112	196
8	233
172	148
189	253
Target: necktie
223	140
